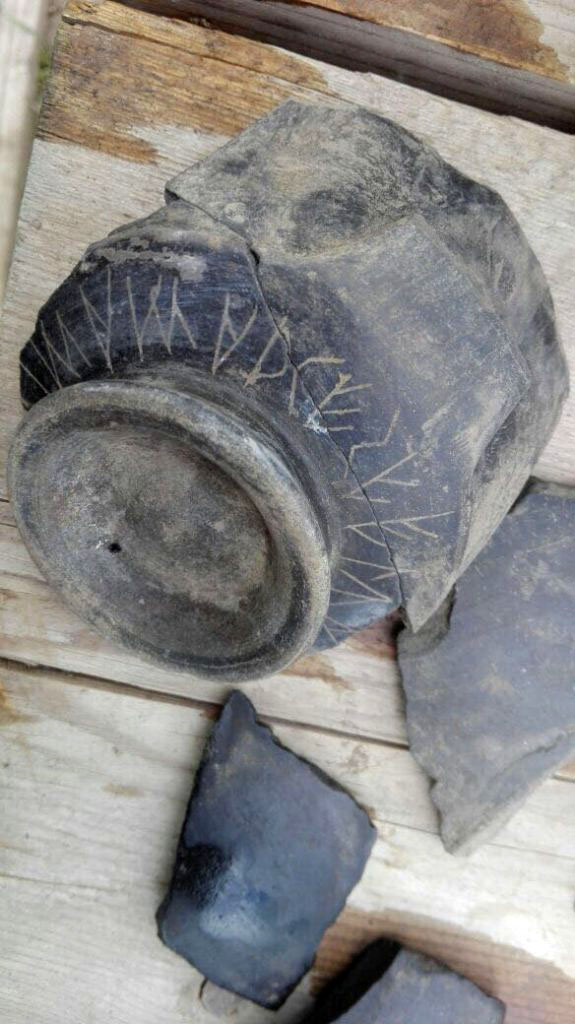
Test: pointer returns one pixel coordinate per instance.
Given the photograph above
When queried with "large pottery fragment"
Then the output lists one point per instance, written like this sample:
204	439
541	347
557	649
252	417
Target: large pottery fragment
269	851
490	682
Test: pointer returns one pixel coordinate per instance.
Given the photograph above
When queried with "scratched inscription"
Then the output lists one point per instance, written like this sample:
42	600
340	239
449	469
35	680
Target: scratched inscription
67	355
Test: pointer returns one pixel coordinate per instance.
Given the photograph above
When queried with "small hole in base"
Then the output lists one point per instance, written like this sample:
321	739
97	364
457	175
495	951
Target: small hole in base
114	547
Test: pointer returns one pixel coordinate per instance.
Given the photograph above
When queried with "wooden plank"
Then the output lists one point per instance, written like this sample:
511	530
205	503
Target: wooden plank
6	514
96	789
354	690
511	56
21	23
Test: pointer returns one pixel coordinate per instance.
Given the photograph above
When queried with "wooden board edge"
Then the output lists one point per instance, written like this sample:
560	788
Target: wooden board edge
543	91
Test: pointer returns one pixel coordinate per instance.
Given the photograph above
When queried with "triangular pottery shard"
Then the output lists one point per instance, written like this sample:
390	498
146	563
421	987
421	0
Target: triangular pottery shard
269	851
490	683
387	986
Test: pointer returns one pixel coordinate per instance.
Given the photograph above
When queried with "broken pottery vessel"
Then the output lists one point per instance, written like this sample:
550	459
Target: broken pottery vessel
386	985
301	395
269	852
490	681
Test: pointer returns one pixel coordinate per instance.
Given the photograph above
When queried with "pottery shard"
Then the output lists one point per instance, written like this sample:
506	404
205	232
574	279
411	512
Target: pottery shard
413	990
269	851
490	683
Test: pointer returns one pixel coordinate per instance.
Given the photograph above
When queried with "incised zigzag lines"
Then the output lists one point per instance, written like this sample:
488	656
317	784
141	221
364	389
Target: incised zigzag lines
101	326
166	332
57	358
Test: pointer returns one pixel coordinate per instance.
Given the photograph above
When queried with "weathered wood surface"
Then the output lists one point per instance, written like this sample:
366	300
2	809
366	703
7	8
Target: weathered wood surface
95	788
353	691
513	56
21	24
100	747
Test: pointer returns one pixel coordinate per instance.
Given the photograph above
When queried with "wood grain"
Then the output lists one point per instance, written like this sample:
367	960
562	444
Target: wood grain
508	31
353	690
97	746
95	789
6	514
21	24
512	56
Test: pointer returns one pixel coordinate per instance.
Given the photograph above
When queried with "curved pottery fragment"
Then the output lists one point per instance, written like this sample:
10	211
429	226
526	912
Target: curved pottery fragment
301	395
398	986
490	681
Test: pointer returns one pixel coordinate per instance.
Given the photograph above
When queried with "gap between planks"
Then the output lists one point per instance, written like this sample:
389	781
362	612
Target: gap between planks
6	516
25	569
74	678
212	708
98	788
512	59
379	779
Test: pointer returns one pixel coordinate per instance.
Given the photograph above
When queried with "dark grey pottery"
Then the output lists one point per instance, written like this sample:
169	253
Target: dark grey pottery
389	985
298	397
490	681
270	850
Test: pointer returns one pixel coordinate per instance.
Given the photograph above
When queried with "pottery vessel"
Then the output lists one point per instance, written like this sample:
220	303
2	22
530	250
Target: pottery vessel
300	396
